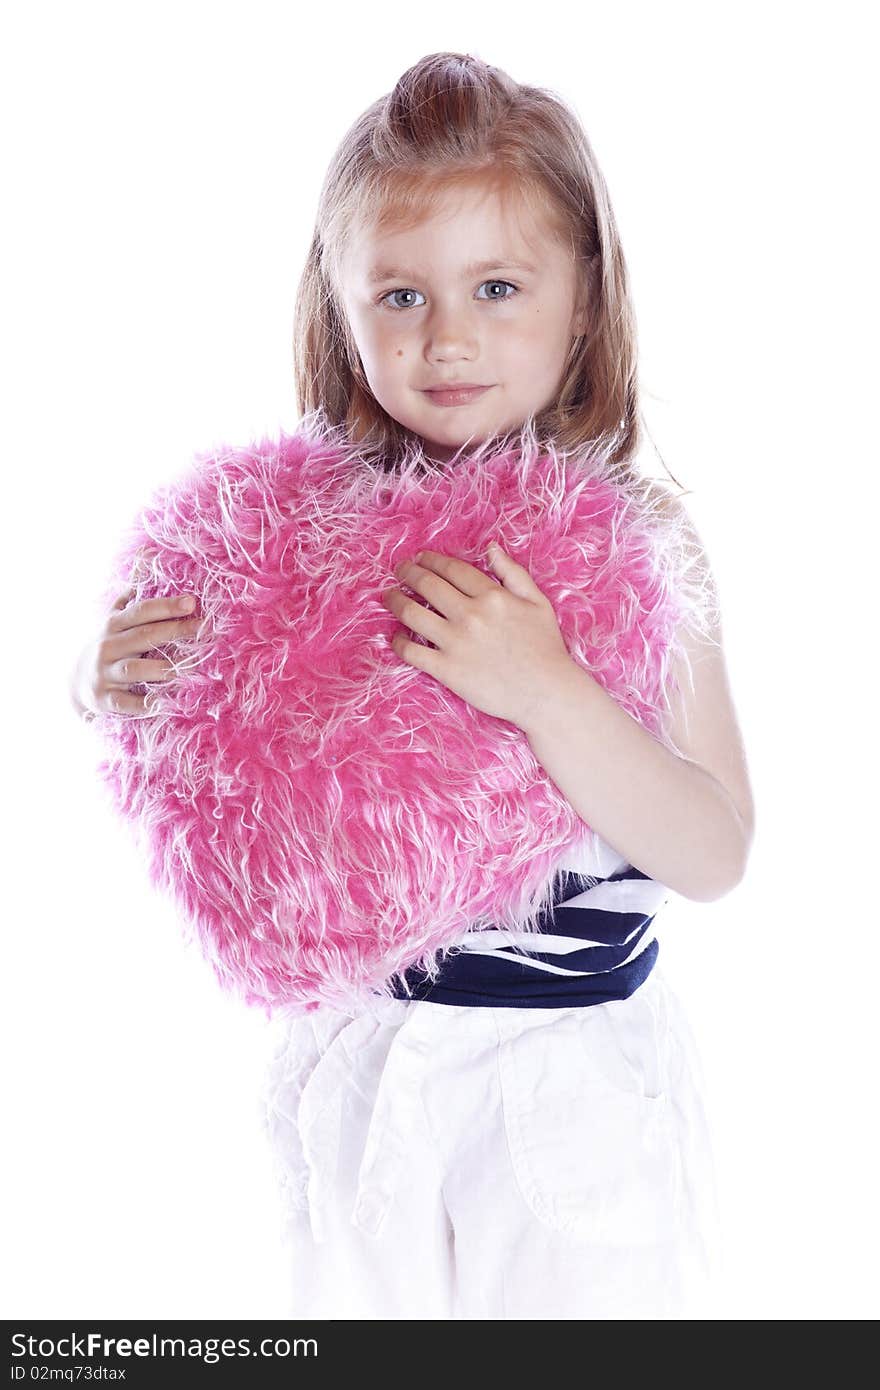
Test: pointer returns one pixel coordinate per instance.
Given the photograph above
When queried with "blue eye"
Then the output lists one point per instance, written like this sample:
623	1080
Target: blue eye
492	299
501	299
397	306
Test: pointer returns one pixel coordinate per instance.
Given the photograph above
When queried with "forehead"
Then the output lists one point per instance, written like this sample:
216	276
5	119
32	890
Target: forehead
492	227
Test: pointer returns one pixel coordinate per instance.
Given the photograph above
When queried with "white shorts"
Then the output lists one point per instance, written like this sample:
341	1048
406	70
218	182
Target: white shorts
441	1161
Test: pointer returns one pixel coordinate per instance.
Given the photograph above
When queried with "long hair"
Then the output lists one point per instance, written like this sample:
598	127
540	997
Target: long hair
452	119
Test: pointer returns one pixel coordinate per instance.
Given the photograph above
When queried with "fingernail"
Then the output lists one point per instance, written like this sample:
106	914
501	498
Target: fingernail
187	603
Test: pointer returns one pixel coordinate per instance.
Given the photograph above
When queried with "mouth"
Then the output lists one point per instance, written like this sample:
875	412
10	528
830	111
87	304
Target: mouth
455	395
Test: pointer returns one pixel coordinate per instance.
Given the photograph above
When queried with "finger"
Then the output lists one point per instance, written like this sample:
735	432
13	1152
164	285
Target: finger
136	671
500	560
415	615
126	703
415	654
148	610
135	641
514	576
434	570
438	589
123	598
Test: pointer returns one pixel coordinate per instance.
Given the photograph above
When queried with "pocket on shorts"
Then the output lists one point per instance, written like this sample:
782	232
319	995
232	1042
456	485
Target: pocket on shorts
587	1118
297	1046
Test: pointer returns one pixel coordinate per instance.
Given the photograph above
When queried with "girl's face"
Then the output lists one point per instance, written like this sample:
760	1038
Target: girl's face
478	294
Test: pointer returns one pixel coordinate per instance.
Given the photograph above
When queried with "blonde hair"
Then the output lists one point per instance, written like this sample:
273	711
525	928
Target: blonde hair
452	119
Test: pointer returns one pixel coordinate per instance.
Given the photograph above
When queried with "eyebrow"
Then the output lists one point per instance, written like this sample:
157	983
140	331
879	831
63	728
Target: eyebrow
383	272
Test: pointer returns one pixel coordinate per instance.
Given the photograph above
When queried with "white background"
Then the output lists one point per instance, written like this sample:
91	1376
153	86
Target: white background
161	173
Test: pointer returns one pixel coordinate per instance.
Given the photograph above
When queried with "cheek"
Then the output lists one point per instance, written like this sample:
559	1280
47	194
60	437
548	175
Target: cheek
387	348
389	365
546	337
381	350
396	357
528	346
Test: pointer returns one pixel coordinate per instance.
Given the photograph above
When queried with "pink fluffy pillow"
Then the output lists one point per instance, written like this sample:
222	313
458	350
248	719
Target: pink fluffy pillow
324	814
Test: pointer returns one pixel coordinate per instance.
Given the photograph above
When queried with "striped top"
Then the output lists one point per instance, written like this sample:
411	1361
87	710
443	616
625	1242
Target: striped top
597	943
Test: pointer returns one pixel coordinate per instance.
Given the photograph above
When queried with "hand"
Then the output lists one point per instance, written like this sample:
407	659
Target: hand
112	662
495	645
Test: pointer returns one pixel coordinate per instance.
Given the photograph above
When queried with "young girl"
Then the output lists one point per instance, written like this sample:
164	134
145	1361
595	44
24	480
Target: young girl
525	1137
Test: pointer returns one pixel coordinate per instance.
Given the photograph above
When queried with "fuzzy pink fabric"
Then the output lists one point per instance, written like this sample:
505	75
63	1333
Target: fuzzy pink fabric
323	814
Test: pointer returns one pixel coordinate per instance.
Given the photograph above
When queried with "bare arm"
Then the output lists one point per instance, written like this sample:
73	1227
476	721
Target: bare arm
687	820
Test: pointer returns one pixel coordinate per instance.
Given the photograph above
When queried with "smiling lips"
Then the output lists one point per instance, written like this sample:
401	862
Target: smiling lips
456	395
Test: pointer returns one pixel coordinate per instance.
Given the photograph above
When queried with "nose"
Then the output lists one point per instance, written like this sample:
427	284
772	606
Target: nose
450	336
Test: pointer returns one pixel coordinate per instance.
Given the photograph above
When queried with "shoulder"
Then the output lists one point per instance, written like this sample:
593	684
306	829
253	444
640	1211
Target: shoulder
660	498
701	720
692	562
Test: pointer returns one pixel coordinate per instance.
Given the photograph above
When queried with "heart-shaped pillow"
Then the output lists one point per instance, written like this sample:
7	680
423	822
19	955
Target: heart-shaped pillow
323	813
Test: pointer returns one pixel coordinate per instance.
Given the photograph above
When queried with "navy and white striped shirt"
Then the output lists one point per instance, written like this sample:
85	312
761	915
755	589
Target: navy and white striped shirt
597	943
